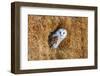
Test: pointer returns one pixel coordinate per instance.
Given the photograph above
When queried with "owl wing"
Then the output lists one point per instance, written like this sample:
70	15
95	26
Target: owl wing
53	40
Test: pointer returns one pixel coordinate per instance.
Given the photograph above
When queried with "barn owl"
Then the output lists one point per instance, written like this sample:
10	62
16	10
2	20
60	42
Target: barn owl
57	37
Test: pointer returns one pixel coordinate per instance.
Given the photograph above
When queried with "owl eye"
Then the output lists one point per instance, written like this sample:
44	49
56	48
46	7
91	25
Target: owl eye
63	32
60	32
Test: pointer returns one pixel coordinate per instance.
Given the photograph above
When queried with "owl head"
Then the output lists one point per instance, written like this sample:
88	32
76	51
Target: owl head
61	33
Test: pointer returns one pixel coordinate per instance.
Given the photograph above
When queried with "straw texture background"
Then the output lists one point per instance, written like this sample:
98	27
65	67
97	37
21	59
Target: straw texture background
72	47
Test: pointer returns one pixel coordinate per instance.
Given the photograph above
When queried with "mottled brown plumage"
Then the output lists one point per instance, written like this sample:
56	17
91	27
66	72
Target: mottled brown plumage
53	40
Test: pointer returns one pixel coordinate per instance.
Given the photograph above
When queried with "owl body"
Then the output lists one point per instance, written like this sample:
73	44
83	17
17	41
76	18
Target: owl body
57	37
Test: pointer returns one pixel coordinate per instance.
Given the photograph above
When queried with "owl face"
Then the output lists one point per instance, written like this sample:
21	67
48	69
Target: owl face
61	33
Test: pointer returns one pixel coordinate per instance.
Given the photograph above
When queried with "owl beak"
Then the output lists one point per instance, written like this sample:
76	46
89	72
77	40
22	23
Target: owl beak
60	35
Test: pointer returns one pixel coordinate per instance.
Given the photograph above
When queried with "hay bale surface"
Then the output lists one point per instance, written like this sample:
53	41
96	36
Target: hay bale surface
72	47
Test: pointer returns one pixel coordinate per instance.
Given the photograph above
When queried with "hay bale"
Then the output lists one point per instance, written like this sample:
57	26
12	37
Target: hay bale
73	46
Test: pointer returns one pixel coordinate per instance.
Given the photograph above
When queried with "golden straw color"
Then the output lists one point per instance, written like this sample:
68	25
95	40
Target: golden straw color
74	46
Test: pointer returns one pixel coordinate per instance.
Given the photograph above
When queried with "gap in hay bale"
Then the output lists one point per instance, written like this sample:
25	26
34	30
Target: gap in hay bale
50	39
72	47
